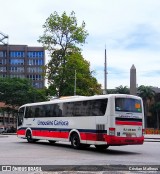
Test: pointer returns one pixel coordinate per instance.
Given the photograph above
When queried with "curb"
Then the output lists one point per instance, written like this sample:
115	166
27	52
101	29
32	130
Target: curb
152	138
8	134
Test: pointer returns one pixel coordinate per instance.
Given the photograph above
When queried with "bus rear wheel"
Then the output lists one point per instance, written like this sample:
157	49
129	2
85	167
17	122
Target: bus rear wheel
75	141
101	147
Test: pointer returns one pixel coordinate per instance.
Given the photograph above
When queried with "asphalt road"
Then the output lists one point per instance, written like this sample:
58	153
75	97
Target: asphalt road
16	151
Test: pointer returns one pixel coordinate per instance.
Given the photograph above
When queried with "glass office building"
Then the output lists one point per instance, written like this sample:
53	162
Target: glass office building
23	61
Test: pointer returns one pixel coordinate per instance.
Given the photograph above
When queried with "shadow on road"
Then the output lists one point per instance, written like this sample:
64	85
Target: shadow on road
92	149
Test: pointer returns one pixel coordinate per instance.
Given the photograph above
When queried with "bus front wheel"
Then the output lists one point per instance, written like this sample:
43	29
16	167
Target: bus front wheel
29	137
75	141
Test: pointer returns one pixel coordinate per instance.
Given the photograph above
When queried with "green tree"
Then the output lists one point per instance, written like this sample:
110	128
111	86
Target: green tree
111	91
155	109
122	90
15	92
147	95
62	33
77	70
61	37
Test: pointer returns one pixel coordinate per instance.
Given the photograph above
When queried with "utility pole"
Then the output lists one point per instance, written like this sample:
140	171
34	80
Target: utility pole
75	79
105	73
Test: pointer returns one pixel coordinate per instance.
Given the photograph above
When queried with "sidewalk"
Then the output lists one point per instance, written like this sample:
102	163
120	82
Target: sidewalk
147	137
152	138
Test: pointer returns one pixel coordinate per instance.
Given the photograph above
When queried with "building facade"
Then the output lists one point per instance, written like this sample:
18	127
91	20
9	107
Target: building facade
7	118
23	61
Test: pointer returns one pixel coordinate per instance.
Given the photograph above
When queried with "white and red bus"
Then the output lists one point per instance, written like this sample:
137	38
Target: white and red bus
101	120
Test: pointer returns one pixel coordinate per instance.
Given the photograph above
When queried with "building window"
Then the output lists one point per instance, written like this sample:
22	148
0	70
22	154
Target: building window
37	84
3	75
34	70
17	75
34	77
16	69
3	69
16	54
17	61
3	53
35	54
2	61
36	62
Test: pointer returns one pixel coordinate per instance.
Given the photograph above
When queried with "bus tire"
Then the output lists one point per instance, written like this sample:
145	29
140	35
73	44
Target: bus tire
101	147
29	137
51	141
75	141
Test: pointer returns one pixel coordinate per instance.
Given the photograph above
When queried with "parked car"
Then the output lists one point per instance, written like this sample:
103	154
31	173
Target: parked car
11	130
2	130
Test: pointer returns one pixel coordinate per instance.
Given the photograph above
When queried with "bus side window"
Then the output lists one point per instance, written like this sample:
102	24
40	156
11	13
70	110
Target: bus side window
30	112
99	107
37	112
103	106
41	111
57	110
48	112
95	108
68	109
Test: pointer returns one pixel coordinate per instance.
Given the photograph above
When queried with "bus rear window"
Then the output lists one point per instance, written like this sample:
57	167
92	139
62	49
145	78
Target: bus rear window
128	105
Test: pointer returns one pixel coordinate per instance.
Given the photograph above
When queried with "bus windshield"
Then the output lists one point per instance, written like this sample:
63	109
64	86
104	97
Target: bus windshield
128	105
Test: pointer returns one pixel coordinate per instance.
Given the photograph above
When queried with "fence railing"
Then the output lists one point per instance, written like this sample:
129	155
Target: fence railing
152	131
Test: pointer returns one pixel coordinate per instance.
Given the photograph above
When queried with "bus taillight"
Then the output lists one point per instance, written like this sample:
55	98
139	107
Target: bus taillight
112	131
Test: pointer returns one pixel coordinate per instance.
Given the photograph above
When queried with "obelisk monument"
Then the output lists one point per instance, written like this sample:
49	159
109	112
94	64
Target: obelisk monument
133	82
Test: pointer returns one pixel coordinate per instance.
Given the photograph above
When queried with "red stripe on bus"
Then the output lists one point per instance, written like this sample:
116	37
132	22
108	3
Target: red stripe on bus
51	134
83	135
89	136
111	140
21	132
129	123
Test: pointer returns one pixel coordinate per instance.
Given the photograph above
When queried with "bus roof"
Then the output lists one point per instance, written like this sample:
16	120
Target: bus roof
78	98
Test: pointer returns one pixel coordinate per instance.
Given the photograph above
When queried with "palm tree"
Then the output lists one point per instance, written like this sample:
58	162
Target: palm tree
111	91
155	110
122	90
147	94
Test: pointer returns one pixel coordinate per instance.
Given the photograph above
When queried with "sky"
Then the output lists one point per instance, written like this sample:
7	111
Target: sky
128	29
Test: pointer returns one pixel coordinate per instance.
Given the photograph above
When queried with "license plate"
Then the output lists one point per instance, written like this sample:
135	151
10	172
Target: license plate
128	135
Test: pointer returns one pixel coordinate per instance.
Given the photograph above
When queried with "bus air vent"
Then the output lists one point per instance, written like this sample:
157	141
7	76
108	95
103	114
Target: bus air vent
100	127
100	130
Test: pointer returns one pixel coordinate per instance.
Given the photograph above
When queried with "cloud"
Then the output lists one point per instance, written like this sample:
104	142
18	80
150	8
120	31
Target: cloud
129	29
141	37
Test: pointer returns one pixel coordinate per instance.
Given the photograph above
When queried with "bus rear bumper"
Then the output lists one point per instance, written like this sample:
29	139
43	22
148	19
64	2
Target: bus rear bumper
114	140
